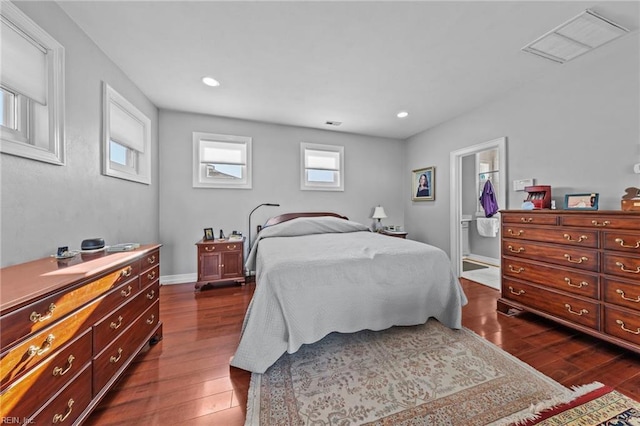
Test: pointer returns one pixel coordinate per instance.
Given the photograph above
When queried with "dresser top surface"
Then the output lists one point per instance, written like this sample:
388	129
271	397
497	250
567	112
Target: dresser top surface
27	281
576	211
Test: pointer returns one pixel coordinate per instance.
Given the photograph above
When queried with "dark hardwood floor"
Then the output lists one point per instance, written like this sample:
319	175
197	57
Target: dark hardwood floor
186	378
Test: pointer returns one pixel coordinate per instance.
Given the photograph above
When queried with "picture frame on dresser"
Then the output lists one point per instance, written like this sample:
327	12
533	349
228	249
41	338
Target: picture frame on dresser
587	201
208	234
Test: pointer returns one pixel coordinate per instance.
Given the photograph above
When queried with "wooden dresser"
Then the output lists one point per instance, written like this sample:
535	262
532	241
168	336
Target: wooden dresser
70	328
579	268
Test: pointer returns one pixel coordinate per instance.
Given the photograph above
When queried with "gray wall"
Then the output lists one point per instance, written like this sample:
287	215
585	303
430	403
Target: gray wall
373	175
576	129
45	206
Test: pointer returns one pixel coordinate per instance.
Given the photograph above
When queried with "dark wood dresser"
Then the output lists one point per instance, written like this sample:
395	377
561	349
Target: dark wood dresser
70	328
579	268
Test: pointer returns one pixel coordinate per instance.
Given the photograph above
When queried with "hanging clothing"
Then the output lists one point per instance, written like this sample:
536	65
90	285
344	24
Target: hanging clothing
488	200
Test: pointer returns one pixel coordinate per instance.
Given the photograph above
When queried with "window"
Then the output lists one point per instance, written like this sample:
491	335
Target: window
321	167
127	135
221	161
31	89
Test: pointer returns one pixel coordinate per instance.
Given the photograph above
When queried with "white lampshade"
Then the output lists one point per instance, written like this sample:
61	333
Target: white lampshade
379	213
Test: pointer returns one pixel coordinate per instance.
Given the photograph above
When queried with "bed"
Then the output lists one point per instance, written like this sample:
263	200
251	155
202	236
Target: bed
318	273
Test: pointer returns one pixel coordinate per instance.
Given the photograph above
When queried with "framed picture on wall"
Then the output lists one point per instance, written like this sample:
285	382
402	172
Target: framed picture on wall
423	184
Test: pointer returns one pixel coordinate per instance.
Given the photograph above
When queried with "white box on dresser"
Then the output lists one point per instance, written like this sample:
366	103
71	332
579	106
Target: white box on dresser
70	328
579	268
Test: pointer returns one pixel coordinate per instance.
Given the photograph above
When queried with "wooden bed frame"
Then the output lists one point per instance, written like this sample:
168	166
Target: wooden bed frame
288	216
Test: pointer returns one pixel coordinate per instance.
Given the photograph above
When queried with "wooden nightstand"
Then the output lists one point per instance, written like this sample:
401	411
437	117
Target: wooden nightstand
220	260
398	234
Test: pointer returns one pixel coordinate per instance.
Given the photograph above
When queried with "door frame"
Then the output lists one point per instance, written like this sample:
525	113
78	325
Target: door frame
455	208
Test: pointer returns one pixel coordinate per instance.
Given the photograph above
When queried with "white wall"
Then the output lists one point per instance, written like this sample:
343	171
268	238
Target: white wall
45	206
373	175
576	129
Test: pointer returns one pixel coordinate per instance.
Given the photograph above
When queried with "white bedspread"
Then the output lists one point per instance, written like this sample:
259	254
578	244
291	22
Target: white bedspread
320	275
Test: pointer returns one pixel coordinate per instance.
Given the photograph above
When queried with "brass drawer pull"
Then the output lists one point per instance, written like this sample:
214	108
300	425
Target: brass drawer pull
233	247
36	317
126	272
115	359
622	244
582	311
517	293
516	271
580	260
39	350
151	259
114	325
518	250
621	293
151	295
580	239
151	275
515	234
527	220
59	418
579	285
152	319
624	269
621	324
59	371
210	248
127	292
596	223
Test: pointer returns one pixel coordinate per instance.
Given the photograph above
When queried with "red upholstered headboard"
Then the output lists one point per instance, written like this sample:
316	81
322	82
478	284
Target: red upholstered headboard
288	216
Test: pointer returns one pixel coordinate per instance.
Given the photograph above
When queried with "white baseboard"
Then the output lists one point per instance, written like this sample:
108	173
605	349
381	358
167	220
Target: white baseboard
483	259
178	279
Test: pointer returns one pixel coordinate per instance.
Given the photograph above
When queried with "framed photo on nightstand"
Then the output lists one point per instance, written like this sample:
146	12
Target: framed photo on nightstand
208	234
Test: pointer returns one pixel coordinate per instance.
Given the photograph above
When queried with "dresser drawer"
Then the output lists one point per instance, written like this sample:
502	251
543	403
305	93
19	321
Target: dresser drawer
20	323
581	238
622	293
107	364
622	265
574	257
110	327
602	221
622	241
622	324
24	396
67	406
569	280
150	260
531	219
149	276
17	360
560	305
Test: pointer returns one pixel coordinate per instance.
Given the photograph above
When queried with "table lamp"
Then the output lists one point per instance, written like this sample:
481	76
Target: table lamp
379	213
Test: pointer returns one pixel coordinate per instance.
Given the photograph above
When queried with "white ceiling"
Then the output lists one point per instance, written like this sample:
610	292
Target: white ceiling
303	63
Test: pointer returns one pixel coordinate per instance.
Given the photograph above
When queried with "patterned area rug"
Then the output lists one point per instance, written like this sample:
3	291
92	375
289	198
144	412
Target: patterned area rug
420	375
602	406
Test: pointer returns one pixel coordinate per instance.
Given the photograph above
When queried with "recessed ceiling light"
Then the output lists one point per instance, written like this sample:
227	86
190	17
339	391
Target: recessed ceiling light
402	114
210	81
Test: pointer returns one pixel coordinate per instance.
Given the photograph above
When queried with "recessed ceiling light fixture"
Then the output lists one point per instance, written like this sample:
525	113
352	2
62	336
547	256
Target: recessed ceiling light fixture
575	37
210	81
402	114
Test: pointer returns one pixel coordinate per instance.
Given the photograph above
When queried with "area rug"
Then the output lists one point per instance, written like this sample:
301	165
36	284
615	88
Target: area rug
601	406
419	375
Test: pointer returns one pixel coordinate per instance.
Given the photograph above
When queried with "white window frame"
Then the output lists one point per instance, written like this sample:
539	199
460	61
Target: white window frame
138	168
305	184
200	178
50	146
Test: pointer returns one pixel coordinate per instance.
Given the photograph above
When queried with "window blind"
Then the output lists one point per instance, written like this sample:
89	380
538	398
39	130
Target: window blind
24	63
125	128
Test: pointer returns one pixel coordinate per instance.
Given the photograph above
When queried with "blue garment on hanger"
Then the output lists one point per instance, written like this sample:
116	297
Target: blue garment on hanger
488	200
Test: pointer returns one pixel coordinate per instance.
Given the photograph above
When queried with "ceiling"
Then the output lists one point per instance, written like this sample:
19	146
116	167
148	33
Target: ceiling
303	63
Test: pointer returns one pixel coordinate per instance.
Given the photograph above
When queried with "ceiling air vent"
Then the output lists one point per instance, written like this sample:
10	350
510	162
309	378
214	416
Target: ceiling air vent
333	123
576	37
